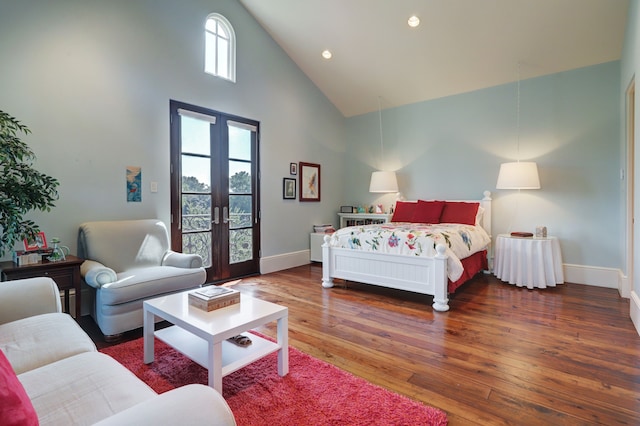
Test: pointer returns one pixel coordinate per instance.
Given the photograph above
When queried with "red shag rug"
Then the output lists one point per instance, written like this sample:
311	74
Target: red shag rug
313	393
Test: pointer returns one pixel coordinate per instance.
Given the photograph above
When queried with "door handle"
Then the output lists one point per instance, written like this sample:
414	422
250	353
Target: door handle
225	214
216	216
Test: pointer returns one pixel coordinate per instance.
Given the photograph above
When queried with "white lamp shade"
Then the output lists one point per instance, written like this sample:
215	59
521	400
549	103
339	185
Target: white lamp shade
383	182
518	175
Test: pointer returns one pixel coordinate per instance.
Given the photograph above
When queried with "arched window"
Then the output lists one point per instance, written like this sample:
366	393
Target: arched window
220	47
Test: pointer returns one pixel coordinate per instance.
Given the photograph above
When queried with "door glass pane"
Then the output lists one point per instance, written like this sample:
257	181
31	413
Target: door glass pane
239	177
196	212
239	143
240	209
195	135
240	245
198	243
196	174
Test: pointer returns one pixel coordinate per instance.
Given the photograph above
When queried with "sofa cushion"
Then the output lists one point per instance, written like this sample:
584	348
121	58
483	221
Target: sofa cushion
83	389
36	341
15	406
143	283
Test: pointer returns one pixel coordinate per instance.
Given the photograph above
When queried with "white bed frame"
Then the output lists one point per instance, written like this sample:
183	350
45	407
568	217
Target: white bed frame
425	275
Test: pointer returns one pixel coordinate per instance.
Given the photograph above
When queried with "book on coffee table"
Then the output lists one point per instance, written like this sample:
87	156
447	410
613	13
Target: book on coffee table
211	297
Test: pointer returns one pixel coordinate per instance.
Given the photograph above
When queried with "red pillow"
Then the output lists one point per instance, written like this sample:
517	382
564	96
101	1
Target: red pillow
428	211
15	406
403	212
459	212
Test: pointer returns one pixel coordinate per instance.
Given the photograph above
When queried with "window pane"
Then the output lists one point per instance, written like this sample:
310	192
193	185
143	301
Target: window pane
240	211
211	25
196	174
239	177
198	243
239	143
195	135
223	58
196	212
240	245
222	31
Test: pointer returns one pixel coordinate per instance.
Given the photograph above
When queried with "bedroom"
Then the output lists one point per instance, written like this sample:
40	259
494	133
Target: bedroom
93	82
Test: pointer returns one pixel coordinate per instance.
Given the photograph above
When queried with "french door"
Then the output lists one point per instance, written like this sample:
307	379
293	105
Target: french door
215	208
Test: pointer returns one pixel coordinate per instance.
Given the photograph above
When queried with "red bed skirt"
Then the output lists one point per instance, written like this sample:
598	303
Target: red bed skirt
472	265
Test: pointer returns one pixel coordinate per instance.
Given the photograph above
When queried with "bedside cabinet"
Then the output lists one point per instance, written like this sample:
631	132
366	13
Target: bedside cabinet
528	262
316	239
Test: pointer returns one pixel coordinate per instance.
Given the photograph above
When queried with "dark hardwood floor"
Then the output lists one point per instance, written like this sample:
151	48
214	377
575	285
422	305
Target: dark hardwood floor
502	355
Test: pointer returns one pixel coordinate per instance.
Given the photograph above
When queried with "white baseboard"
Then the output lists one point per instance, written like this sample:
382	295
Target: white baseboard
284	261
595	276
634	310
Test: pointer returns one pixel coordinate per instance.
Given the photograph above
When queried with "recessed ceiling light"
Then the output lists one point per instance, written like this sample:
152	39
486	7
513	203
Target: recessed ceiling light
327	54
413	21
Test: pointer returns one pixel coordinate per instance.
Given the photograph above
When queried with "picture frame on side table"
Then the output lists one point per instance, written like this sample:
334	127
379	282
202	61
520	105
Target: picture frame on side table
309	181
38	243
288	188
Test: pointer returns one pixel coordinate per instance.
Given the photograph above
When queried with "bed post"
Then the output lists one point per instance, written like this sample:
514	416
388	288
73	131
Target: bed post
441	282
486	224
327	281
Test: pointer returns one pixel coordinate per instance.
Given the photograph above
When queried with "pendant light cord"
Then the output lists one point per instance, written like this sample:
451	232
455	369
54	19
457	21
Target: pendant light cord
381	142
518	117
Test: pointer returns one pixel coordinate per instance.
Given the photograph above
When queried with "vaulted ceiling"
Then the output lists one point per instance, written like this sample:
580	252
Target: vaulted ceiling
459	46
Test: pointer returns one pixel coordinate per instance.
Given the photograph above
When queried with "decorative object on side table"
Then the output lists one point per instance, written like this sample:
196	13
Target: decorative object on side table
59	252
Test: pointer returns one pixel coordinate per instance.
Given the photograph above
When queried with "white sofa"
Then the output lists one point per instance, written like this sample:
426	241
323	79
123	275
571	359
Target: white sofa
68	382
128	261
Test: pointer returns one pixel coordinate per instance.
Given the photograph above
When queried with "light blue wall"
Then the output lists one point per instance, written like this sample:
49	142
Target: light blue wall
93	80
452	148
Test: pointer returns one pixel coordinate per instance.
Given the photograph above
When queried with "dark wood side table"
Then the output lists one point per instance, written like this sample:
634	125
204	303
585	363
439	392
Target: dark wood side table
66	274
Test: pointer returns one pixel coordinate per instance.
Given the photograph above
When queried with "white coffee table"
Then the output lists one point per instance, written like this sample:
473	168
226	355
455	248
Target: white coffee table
201	335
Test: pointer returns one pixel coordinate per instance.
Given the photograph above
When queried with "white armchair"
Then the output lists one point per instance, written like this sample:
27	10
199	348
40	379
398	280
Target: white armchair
127	262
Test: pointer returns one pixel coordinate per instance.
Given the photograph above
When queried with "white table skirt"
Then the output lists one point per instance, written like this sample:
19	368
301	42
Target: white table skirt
528	262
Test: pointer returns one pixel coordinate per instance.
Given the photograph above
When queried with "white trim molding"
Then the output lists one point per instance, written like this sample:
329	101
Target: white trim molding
634	310
284	261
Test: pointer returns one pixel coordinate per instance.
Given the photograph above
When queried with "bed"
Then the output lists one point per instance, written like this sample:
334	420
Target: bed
407	254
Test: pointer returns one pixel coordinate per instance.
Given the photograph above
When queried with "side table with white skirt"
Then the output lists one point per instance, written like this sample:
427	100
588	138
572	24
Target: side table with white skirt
528	262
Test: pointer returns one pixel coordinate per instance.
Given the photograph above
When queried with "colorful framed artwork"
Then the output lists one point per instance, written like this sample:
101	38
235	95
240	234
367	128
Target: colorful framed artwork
289	188
134	184
309	181
37	243
293	169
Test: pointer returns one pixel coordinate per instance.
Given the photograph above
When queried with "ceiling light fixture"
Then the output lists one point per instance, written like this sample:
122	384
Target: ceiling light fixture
413	21
382	181
327	54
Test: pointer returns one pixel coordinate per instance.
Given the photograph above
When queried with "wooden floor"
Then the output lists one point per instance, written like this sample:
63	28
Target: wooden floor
502	355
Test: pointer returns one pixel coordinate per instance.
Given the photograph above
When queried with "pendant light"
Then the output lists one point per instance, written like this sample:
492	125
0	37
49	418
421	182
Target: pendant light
518	175
382	181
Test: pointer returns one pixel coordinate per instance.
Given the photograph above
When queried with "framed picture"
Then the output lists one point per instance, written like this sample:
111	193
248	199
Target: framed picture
38	243
346	209
293	169
309	182
289	189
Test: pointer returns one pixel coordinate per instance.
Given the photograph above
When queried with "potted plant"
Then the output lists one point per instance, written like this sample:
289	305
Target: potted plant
22	188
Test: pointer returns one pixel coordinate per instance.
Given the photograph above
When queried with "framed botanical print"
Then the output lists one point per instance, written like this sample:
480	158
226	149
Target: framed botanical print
289	188
309	181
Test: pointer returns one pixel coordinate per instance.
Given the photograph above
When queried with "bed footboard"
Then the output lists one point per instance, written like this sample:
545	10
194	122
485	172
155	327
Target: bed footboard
417	274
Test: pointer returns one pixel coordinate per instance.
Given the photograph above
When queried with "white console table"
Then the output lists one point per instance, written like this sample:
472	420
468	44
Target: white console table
528	262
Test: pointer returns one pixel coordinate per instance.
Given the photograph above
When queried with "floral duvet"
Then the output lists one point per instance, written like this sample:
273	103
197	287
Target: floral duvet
416	239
